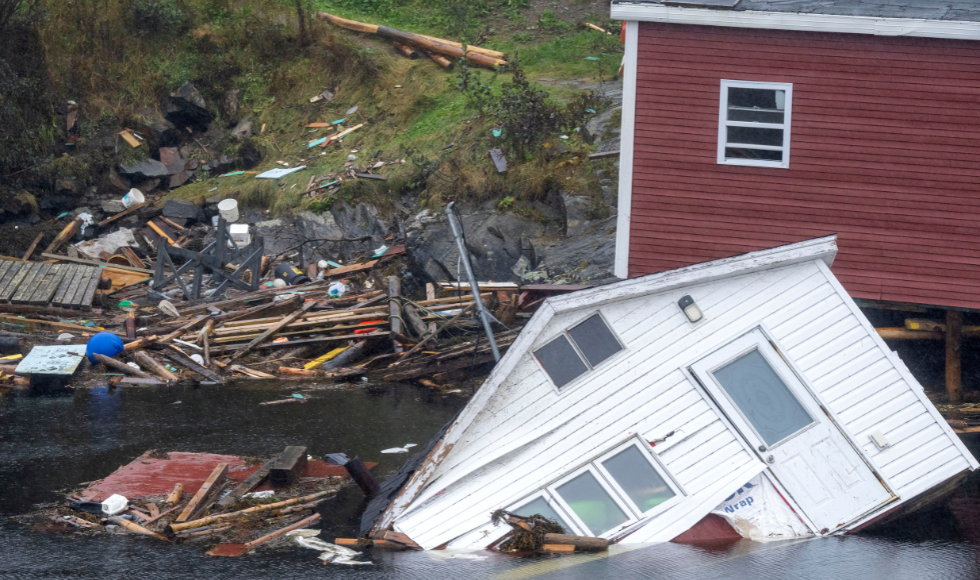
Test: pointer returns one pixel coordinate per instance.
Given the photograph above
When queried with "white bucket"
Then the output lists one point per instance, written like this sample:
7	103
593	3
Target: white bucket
228	208
239	233
134	197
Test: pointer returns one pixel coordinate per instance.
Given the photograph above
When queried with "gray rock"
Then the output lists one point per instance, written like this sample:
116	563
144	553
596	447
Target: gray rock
158	130
112	206
145	169
177	208
178	179
577	213
173	159
230	104
187	108
587	258
243	130
249	155
603	130
69	186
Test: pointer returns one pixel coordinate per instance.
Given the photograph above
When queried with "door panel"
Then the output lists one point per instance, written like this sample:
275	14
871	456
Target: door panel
784	424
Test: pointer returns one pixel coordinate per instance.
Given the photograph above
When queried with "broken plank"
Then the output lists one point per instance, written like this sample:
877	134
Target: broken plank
123	213
371	176
66	234
247	485
32	247
348	269
272	330
603	155
308	341
289	467
205	496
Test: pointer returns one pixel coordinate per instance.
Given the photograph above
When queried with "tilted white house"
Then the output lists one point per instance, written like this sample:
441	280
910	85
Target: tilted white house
617	414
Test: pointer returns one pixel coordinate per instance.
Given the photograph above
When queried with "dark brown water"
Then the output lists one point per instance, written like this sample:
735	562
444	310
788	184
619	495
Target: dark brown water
49	443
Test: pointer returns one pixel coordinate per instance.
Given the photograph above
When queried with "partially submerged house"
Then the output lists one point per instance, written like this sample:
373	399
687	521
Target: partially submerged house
753	123
630	411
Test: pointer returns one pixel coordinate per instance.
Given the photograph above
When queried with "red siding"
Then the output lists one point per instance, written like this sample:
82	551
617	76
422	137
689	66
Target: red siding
885	153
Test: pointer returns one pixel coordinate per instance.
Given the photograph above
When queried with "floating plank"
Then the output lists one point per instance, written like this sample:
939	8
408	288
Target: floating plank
24	271
29	285
70	274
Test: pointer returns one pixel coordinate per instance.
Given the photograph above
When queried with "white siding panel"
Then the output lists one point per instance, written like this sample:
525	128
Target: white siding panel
927	447
868	406
808	360
931	463
920	432
854	359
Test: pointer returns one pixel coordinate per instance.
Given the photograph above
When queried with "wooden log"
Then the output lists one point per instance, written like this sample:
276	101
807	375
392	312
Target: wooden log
139	343
206	495
362	477
177	493
348	24
66	234
440	60
136	528
246	486
413	318
289	467
469	47
207	351
904	334
406	50
183	329
580	542
954	375
32	247
348	357
158	369
298	525
182	359
272	330
394	309
120	366
176	527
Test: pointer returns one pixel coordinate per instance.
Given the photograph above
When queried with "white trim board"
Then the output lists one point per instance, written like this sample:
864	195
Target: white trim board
877	26
626	136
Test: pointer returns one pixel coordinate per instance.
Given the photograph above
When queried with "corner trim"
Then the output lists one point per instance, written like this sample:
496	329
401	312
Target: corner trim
624	201
877	26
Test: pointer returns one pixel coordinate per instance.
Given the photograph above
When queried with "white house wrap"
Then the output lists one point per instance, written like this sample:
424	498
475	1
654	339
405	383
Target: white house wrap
616	413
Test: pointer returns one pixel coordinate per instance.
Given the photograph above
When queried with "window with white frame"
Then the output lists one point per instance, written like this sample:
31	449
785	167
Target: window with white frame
578	350
754	126
614	491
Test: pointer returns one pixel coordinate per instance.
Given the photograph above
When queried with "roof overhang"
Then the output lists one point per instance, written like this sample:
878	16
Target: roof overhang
878	26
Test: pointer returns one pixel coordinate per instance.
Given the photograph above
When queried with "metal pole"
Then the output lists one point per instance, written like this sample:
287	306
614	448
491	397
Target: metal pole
464	256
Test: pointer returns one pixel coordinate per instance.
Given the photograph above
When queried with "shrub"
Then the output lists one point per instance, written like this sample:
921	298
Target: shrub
159	16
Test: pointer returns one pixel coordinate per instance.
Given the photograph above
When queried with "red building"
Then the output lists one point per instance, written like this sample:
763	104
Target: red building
775	122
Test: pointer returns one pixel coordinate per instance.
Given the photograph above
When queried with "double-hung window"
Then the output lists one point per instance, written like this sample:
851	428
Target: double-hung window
754	127
578	350
614	491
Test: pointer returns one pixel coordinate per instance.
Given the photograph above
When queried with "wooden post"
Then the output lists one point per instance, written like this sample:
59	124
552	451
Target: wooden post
406	50
394	309
362	477
441	60
289	467
130	324
66	234
158	369
176	494
954	377
430	294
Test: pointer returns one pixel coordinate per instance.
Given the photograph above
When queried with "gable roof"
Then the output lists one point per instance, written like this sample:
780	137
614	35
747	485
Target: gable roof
817	249
955	19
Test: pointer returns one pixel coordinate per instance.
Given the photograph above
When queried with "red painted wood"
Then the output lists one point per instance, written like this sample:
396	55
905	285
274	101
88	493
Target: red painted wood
711	529
885	153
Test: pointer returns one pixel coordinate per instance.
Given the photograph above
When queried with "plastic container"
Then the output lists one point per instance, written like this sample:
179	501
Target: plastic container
114	505
336	290
228	209
291	275
104	343
134	197
240	234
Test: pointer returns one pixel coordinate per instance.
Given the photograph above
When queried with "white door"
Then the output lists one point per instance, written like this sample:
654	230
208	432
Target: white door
781	420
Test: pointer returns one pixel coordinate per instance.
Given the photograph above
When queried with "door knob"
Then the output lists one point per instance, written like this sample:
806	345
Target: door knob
771	459
762	448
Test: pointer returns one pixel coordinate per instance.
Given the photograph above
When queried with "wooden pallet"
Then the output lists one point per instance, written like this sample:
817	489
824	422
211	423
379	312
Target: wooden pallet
37	284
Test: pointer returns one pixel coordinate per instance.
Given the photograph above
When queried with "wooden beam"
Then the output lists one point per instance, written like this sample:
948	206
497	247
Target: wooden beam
394	310
47	254
289	467
32	247
580	542
158	369
66	234
120	366
954	375
123	213
246	486
205	496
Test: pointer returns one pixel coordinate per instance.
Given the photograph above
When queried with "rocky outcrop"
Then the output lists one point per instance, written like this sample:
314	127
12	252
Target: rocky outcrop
187	108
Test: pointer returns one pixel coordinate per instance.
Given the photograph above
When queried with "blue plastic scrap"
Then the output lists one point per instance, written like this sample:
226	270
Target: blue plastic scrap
279	172
339	121
316	142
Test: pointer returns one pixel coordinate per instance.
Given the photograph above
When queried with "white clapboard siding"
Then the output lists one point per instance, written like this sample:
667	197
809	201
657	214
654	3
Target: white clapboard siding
519	434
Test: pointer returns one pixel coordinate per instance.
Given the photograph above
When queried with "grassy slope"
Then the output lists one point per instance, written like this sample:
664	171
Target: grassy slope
251	45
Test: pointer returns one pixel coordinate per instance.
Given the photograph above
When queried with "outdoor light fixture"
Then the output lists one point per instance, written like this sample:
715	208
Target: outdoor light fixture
691	310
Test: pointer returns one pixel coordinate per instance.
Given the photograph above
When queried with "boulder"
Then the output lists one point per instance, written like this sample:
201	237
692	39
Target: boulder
118	181
230	105
147	169
172	158
159	131
580	211
66	186
243	130
180	209
603	130
187	108
178	179
249	155
112	206
587	258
